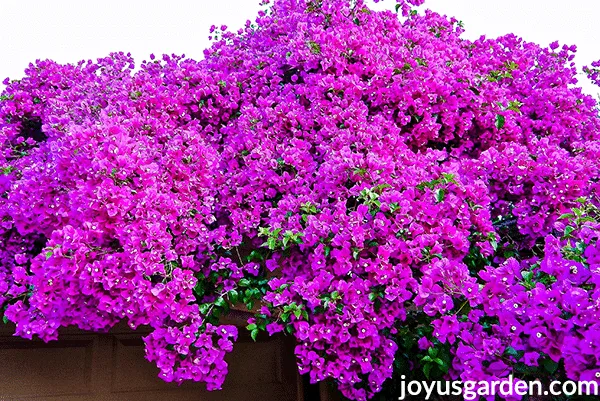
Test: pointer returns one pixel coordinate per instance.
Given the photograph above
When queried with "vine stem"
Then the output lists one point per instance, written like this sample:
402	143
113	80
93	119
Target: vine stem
461	307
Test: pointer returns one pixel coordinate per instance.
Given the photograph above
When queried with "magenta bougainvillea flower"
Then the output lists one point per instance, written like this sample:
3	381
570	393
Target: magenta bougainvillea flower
397	198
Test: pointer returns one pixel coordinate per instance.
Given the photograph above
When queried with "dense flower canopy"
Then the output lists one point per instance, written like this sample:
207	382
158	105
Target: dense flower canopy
374	185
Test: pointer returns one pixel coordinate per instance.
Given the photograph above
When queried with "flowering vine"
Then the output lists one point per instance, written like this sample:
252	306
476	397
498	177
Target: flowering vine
397	198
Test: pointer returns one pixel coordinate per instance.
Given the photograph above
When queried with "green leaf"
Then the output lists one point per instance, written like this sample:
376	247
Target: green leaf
527	275
233	296
500	120
550	365
315	48
379	188
427	370
7	170
569	230
254	334
515	106
49	254
566	216
251	327
440	194
204	308
439	361
220	302
4	320
255	255
510	351
360	171
308	208
199	288
449	178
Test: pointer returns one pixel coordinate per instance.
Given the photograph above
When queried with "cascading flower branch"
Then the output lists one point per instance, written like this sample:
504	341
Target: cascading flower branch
399	199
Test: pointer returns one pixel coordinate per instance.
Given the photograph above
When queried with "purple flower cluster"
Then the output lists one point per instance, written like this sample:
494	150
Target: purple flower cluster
355	172
539	310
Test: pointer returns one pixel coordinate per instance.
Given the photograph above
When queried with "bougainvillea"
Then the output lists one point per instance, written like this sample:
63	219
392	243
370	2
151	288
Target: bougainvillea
396	197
